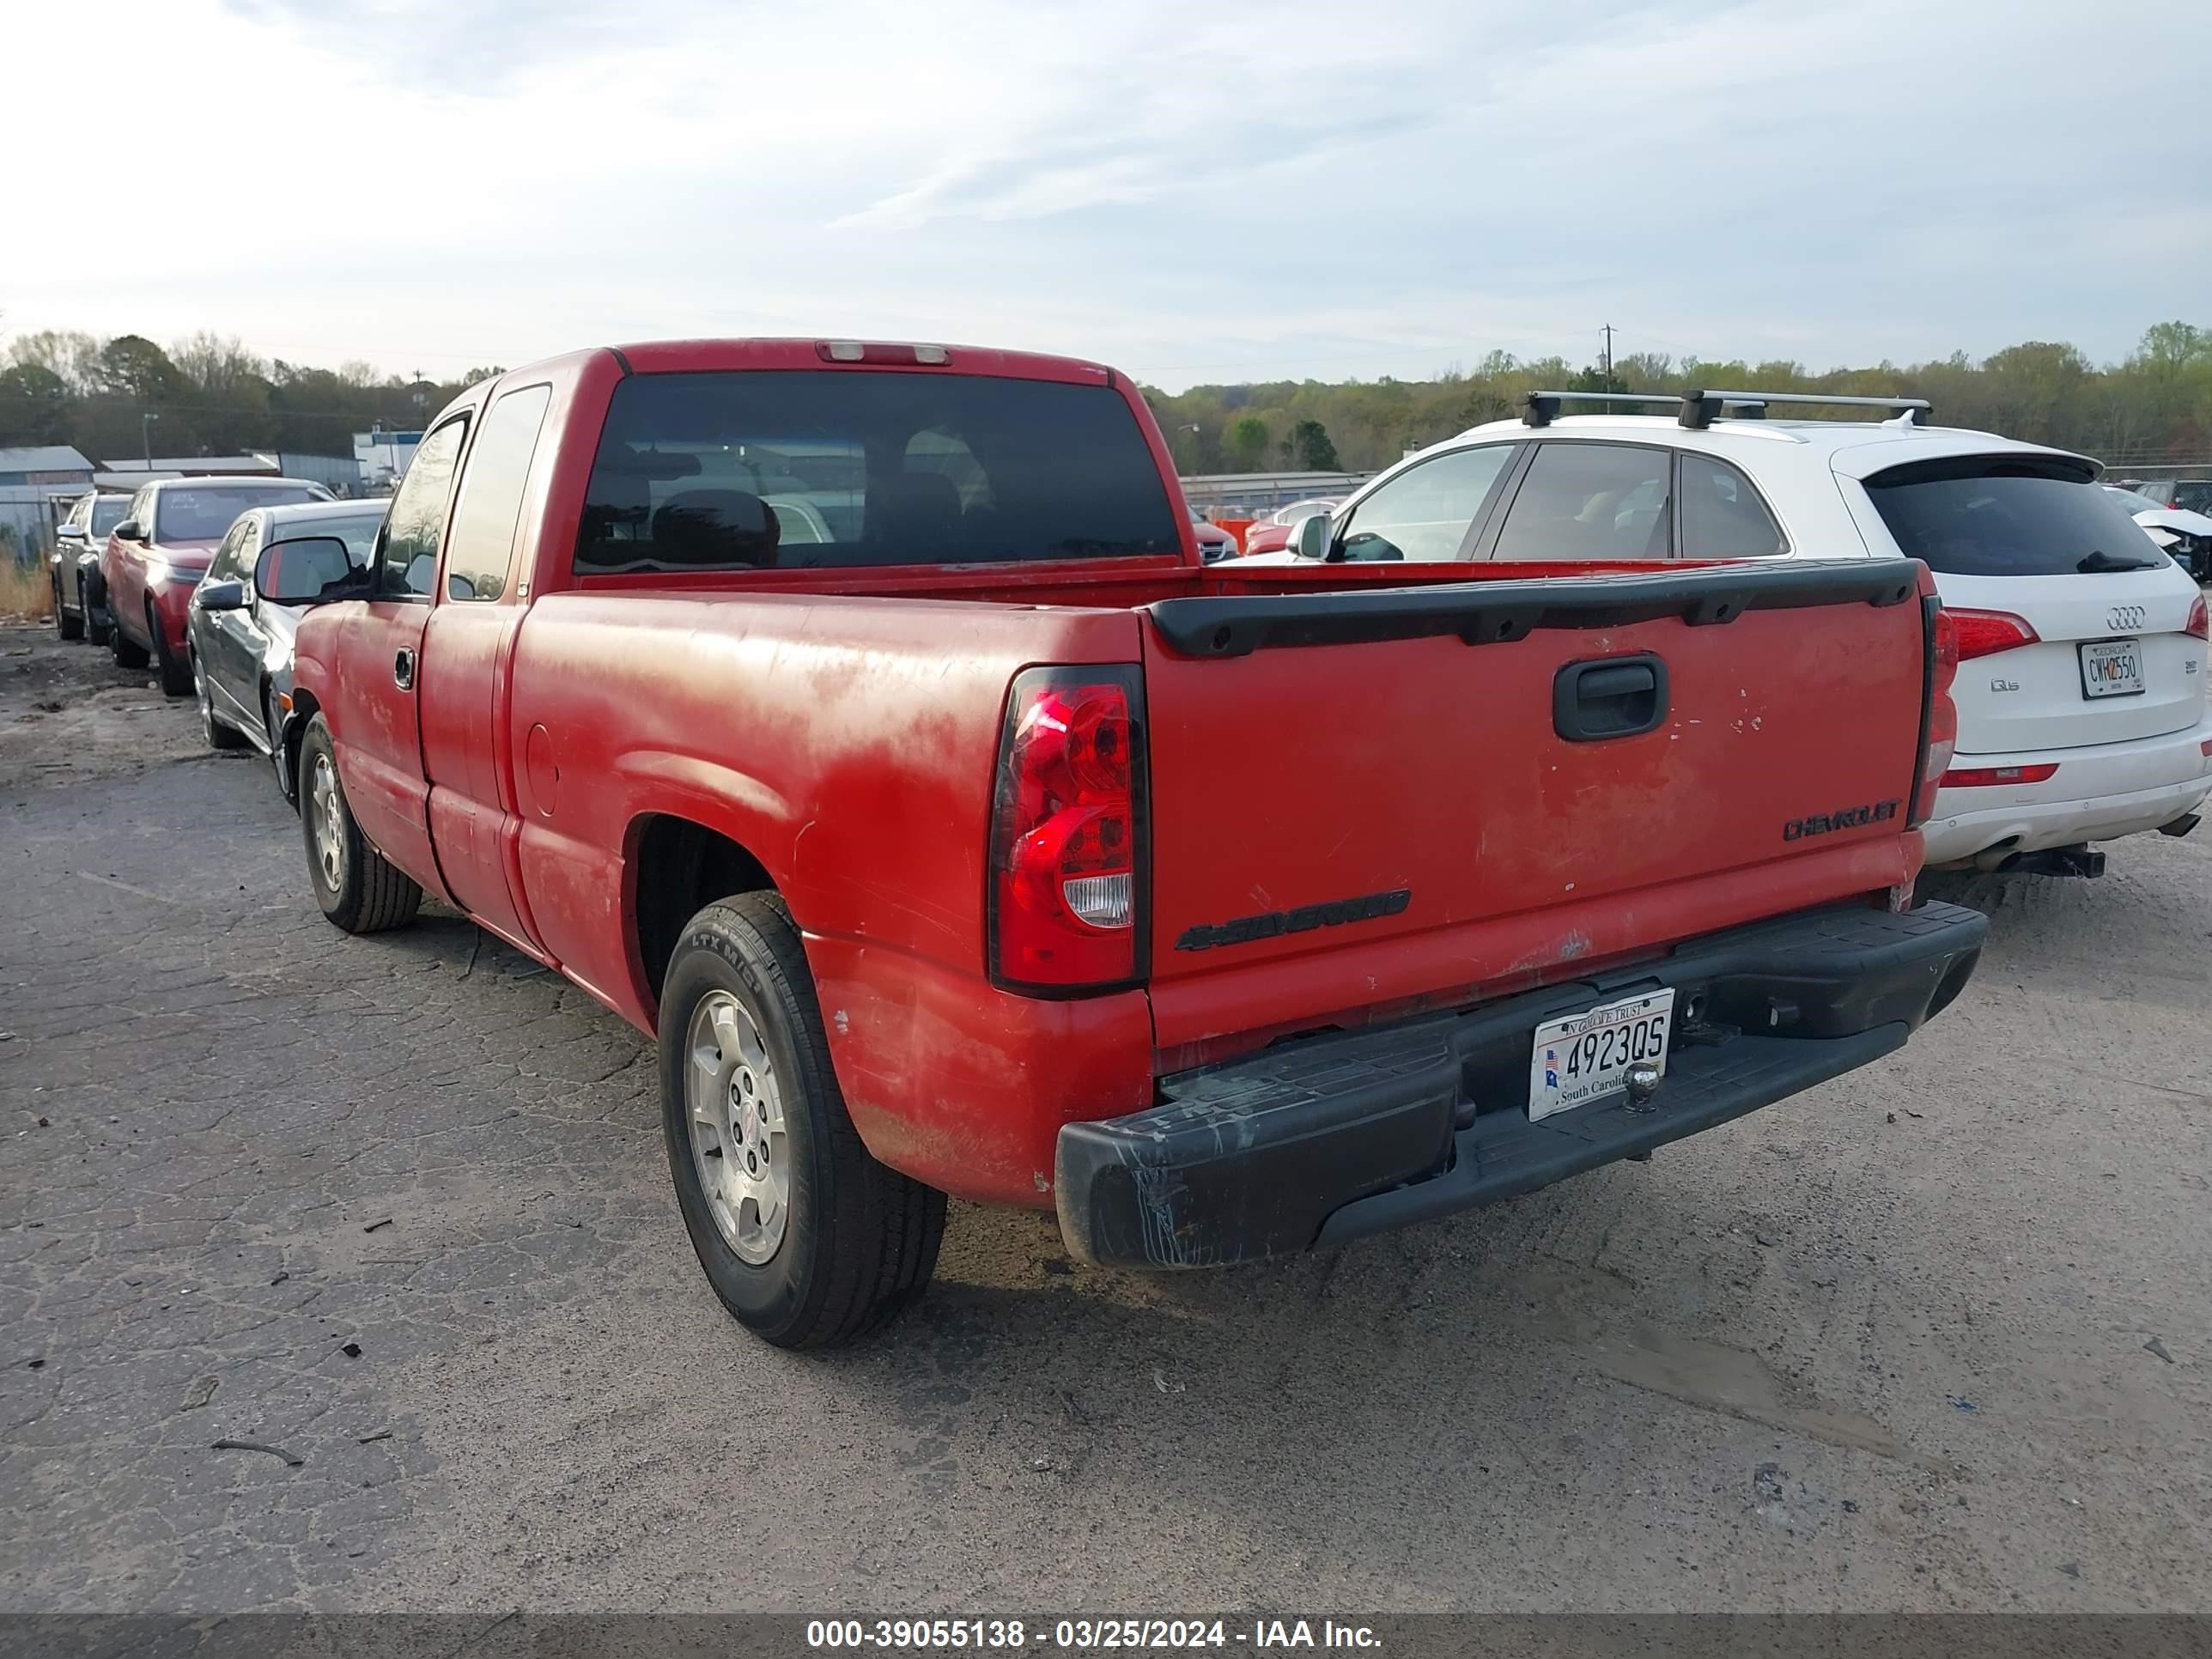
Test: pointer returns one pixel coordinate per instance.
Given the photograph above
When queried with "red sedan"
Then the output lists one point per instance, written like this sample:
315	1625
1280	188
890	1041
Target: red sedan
1273	533
157	555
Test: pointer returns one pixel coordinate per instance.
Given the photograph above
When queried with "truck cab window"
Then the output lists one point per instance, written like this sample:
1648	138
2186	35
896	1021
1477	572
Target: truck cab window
481	547
418	520
784	468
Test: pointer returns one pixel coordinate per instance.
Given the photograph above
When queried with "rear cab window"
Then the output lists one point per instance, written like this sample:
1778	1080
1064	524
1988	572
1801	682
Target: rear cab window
1990	516
779	469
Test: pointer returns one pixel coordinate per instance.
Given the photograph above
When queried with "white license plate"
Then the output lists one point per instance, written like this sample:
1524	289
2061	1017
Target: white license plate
2113	668
1583	1057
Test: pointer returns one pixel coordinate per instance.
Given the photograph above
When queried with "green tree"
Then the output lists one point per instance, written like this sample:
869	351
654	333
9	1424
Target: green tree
1310	447
133	366
35	406
1248	443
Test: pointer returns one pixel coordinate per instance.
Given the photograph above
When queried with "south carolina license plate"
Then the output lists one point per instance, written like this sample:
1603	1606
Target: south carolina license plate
1583	1057
2111	668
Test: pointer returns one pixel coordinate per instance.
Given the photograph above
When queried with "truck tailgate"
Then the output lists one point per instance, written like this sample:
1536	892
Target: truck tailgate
1362	800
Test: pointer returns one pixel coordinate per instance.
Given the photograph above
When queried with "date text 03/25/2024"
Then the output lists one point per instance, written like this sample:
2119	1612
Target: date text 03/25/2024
1087	1635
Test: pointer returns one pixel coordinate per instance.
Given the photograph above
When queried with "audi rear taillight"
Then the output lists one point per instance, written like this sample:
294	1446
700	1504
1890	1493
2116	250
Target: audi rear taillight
1068	832
2195	624
1985	632
1984	777
1940	731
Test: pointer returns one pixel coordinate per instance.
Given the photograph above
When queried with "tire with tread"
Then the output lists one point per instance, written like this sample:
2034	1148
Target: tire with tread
92	594
176	676
219	734
861	1240
68	627
372	893
127	650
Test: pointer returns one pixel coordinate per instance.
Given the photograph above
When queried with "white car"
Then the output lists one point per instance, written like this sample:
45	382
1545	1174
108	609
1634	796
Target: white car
1214	543
2080	690
2185	535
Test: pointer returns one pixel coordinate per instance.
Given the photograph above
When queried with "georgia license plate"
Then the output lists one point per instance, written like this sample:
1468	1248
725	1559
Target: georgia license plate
1582	1057
2111	668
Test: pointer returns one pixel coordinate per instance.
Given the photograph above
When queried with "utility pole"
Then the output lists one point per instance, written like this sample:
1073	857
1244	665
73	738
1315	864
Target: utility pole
1608	351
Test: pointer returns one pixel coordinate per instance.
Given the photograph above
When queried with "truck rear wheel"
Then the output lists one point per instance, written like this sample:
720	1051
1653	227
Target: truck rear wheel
359	889
808	1240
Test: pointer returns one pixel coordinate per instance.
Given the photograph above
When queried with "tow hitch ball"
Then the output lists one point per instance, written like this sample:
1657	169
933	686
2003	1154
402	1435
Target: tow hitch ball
1643	1083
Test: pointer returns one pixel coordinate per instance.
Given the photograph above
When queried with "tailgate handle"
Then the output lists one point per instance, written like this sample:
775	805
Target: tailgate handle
1609	697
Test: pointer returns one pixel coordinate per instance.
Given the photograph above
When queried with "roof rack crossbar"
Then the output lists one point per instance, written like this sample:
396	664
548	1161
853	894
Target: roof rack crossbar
1542	408
1698	410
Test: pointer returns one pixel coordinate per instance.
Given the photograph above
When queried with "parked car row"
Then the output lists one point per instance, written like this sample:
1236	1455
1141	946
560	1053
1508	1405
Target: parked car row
164	576
2083	714
2184	533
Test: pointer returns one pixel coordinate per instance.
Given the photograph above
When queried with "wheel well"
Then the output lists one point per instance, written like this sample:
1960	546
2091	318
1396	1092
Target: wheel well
682	867
295	733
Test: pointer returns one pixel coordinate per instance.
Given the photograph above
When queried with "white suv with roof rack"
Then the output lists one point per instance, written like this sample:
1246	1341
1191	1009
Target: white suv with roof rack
2080	691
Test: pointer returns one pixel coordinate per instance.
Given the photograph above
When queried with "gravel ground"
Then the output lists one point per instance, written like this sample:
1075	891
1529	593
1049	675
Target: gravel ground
1934	1336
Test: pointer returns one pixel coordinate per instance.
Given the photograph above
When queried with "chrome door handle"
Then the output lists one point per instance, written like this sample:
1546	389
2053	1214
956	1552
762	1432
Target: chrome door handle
403	671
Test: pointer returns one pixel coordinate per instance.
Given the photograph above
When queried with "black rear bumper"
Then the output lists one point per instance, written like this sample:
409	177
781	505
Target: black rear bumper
1323	1140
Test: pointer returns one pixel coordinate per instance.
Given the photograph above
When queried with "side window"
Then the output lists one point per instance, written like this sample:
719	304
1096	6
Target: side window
1722	516
418	520
481	548
230	561
1425	513
141	509
1590	500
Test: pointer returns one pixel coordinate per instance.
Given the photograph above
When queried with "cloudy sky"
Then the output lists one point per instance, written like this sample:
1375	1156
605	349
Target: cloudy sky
1194	192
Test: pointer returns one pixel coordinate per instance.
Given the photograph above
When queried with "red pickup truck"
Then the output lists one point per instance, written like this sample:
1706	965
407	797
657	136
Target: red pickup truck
860	719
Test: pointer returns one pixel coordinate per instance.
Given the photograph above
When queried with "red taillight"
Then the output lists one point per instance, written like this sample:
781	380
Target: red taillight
2195	624
1980	777
1067	829
1941	740
1985	632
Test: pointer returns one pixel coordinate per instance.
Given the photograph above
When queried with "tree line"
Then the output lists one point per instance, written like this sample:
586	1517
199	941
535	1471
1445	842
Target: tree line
2153	408
206	396
210	395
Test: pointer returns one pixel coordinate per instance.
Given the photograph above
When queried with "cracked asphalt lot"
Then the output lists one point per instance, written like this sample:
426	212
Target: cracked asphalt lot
1934	1336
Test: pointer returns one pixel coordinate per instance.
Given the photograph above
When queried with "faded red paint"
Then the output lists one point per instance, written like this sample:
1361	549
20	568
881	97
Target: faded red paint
843	724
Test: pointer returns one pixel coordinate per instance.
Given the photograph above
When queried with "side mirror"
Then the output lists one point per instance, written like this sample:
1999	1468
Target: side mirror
68	532
308	570
220	596
1310	535
128	530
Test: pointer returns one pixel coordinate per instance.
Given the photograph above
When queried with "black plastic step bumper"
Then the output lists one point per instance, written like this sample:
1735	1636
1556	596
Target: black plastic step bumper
1323	1140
